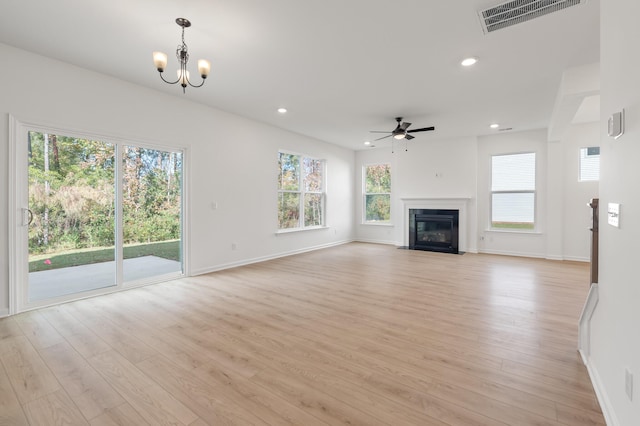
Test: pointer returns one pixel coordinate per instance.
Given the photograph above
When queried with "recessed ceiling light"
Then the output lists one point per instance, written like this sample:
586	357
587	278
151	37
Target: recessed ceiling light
468	62
282	110
367	143
494	126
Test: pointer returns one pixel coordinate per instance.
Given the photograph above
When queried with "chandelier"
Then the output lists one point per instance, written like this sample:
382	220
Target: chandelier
182	53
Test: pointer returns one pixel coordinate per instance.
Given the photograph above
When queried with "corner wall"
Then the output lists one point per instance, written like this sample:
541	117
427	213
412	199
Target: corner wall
615	325
428	168
576	234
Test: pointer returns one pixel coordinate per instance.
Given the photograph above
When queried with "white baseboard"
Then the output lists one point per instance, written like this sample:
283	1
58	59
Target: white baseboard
512	253
369	241
609	414
554	257
244	262
576	259
4	312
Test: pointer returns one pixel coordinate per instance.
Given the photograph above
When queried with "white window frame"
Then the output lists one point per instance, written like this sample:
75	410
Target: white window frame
582	157
302	192
534	192
365	193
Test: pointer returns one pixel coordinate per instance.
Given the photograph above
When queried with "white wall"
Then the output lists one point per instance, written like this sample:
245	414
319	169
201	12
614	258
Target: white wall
532	244
414	175
232	159
577	222
615	327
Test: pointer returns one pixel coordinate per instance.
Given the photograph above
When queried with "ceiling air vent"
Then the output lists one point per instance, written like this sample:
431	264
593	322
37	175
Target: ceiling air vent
518	11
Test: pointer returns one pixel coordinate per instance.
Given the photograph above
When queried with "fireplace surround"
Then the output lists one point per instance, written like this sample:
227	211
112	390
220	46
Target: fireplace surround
460	203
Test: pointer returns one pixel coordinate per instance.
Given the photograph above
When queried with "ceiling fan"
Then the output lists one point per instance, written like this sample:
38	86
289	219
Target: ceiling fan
401	132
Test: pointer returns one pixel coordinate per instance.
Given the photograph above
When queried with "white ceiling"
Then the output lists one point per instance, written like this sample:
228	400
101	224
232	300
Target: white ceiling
341	67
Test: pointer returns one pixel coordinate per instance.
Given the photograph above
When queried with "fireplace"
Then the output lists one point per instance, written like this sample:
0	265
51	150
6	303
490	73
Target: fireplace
434	230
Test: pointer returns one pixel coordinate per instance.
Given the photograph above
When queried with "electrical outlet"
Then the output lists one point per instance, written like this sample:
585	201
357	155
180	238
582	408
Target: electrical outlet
234	246
628	383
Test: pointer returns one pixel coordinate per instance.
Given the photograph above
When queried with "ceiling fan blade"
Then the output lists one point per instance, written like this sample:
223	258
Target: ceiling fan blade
409	137
379	131
405	125
424	129
384	137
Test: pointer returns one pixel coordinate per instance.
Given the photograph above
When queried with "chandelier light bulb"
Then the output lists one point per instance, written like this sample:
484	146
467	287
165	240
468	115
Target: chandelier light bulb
204	67
183	78
160	60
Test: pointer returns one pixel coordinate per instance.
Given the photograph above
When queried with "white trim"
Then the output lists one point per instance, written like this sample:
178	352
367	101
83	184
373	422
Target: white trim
512	253
371	241
513	231
294	230
553	257
567	258
186	208
576	259
17	246
445	203
584	324
4	313
13	206
608	412
230	265
363	219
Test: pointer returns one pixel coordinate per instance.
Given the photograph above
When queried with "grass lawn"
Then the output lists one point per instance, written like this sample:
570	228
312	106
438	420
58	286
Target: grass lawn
165	249
512	225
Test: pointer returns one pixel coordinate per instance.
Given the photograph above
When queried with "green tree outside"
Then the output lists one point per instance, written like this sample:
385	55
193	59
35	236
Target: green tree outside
72	193
377	185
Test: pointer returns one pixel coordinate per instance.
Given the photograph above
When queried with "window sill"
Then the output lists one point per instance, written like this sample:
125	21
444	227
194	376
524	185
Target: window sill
513	231
294	230
377	224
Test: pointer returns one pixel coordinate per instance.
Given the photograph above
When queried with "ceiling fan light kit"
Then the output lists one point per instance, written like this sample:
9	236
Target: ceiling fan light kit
401	131
182	53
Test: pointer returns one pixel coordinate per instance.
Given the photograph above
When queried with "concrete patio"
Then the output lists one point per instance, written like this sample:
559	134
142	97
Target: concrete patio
77	279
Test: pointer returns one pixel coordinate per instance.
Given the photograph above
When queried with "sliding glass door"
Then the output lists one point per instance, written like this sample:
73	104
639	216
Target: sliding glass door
71	215
93	216
152	211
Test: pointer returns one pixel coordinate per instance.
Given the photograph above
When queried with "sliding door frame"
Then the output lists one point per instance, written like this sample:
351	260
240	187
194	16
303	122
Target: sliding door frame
18	202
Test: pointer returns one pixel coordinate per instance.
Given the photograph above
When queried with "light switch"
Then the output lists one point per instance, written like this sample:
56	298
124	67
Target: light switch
613	214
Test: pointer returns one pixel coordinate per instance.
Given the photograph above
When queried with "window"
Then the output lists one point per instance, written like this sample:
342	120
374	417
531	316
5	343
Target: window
513	191
377	193
590	164
300	191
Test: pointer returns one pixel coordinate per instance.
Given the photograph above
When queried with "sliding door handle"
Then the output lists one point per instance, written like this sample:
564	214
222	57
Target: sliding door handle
27	217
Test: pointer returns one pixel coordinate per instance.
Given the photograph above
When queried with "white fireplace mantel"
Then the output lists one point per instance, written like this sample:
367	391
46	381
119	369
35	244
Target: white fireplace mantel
445	203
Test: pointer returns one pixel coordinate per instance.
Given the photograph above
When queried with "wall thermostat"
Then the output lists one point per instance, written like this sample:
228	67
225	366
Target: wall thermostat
616	124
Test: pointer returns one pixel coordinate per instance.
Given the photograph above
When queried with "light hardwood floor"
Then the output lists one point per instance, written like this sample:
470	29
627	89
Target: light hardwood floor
359	334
